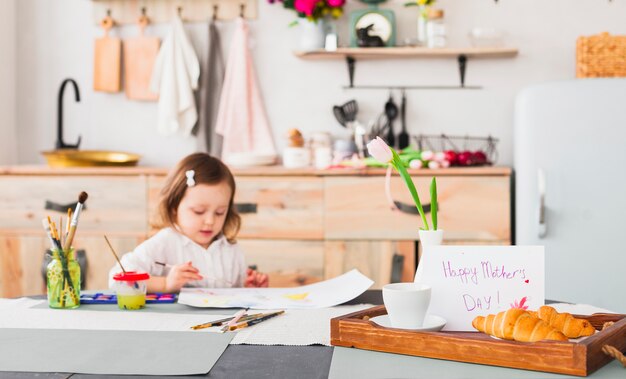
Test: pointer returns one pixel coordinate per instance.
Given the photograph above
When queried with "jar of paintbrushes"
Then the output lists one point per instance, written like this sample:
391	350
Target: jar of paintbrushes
63	271
63	280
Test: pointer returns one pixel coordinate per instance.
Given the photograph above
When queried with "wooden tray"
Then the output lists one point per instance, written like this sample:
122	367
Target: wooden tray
575	358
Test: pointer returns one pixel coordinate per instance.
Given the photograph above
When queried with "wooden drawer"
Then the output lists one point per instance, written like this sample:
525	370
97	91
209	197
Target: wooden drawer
373	259
270	207
281	207
116	205
471	208
288	263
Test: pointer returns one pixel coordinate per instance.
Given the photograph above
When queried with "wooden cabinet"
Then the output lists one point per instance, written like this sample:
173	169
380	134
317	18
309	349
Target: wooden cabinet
281	207
116	204
288	263
299	226
472	208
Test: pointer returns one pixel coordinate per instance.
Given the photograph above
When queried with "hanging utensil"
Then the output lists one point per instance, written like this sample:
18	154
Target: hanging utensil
350	109
338	112
403	137
391	111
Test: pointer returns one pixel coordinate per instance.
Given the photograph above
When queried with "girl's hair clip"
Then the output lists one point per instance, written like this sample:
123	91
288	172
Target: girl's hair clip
190	178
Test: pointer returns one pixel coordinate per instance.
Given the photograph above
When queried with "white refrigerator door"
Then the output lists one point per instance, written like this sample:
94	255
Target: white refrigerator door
570	156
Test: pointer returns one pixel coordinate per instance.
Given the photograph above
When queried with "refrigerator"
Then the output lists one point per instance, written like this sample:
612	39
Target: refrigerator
570	187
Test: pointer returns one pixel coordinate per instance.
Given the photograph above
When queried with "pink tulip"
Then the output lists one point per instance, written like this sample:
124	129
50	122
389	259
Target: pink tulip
305	6
379	150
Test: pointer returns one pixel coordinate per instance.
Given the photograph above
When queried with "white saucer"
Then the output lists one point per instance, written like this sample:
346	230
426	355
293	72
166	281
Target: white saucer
432	323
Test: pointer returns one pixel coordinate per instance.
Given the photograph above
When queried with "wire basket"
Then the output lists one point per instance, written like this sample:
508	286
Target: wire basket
601	55
443	142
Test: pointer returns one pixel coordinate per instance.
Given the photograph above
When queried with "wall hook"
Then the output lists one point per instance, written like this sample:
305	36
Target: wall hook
242	10
143	11
215	9
180	11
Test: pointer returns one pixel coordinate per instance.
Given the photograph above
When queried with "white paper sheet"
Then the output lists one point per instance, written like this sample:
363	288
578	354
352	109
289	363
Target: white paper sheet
95	320
297	327
317	295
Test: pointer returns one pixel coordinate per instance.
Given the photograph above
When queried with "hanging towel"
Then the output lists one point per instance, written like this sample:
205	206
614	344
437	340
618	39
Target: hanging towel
241	119
174	78
212	79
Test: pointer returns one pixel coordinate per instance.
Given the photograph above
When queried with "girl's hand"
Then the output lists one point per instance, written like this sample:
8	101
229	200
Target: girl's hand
256	279
179	276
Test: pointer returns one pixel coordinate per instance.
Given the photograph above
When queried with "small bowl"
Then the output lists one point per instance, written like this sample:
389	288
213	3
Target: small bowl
89	158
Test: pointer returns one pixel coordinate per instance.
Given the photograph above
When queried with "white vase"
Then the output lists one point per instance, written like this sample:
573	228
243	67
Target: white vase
422	24
427	238
312	34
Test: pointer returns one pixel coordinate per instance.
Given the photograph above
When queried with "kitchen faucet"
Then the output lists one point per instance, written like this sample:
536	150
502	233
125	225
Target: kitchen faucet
60	143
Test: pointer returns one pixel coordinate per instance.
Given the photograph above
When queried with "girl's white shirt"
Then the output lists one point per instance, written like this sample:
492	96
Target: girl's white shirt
221	265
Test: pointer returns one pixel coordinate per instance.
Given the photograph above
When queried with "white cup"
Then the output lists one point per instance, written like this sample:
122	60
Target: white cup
323	158
406	304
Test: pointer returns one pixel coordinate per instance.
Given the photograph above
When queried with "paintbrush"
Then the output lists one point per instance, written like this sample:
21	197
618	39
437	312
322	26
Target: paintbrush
255	321
61	235
114	254
69	222
46	226
82	197
222	321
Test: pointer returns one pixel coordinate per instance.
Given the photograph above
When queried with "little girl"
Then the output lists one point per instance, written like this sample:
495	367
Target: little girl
196	247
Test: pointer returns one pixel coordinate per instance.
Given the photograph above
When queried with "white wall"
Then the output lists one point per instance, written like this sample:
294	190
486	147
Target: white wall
8	124
55	40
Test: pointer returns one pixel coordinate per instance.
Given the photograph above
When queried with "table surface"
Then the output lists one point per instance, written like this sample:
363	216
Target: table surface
250	361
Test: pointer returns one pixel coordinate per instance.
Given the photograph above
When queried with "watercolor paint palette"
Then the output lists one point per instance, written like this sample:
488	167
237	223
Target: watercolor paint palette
107	298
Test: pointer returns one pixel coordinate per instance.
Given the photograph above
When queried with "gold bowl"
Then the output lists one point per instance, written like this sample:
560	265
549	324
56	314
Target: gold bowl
89	158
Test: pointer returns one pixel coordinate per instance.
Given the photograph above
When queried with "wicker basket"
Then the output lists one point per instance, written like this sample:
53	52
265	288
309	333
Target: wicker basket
601	55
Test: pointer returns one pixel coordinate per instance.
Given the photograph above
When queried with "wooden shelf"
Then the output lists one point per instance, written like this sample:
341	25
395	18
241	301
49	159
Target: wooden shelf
407	52
352	54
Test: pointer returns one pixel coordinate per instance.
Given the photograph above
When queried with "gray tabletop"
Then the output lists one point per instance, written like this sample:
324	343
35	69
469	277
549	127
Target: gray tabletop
248	361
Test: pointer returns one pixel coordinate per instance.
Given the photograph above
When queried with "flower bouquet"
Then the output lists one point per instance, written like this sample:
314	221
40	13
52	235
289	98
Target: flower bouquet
314	9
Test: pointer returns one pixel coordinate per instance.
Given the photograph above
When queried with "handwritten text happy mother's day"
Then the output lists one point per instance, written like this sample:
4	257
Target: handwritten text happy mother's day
486	271
468	281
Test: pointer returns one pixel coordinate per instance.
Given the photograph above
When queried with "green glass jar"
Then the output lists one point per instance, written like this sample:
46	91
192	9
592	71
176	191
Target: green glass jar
63	280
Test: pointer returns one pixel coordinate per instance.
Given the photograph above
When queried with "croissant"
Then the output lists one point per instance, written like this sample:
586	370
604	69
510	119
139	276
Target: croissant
518	325
569	325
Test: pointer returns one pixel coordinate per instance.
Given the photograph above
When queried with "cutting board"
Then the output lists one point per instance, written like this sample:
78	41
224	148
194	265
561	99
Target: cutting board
139	56
107	60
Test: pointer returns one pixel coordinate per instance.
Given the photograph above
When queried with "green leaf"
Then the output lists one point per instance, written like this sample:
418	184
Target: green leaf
396	162
434	205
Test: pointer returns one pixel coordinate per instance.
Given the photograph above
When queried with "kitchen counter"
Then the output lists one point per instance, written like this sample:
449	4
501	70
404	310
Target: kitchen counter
298	225
251	171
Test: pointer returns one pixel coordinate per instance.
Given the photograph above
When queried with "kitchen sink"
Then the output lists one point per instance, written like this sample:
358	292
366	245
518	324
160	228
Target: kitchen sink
89	158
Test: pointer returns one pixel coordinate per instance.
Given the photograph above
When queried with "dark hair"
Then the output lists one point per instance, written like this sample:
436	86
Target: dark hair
208	170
